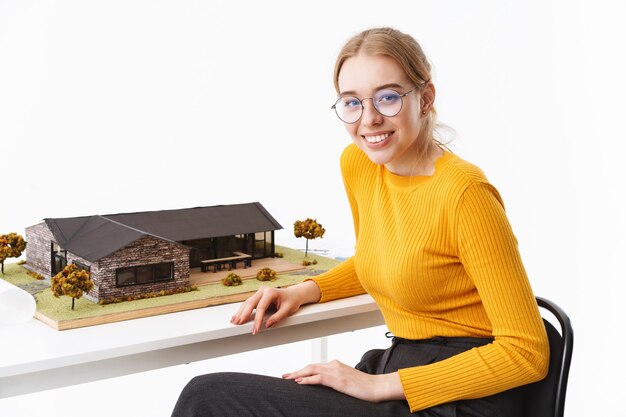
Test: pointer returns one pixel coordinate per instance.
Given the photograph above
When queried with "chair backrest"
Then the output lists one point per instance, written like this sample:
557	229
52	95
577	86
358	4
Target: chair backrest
546	398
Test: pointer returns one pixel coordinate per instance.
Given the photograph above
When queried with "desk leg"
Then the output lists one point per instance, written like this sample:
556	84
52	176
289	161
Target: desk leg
319	350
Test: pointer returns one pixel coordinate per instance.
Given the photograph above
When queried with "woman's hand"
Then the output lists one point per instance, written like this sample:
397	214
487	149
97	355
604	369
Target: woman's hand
350	381
285	301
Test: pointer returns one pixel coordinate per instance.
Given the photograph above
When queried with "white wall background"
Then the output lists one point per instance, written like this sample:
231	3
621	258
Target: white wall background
119	106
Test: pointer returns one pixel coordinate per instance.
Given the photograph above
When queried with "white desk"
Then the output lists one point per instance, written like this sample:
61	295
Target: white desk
34	357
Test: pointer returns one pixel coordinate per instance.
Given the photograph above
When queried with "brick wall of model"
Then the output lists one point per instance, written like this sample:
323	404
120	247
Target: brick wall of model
145	251
38	238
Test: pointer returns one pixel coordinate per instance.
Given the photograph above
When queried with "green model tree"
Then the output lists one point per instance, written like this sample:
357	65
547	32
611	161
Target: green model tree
11	246
308	229
72	282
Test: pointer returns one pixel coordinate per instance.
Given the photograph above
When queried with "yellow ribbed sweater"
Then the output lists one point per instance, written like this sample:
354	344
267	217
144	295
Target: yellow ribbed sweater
439	257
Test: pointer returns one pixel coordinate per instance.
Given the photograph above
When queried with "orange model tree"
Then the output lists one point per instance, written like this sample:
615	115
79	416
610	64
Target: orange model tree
308	229
72	282
11	246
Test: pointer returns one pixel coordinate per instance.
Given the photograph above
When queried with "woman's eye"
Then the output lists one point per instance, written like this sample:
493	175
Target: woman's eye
351	103
388	98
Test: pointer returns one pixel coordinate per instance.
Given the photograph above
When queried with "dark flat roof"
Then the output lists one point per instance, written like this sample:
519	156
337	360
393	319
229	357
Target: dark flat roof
94	237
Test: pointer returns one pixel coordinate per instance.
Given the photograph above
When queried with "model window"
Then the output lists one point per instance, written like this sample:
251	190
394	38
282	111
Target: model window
144	274
59	258
125	276
261	245
163	272
82	267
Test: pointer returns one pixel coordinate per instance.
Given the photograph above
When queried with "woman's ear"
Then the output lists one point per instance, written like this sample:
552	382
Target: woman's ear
428	97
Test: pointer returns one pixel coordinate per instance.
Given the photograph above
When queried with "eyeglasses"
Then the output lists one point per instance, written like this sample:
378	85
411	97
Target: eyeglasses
386	102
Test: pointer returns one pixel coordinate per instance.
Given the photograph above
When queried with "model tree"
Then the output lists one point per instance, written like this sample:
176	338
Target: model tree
308	229
4	254
11	246
72	282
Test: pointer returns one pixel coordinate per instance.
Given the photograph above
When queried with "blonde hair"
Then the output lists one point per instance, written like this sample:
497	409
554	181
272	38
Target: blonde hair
409	54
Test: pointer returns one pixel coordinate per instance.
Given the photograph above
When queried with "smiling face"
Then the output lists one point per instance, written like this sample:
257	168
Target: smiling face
390	141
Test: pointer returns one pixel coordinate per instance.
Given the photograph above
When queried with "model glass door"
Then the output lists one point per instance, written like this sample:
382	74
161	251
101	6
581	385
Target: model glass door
59	259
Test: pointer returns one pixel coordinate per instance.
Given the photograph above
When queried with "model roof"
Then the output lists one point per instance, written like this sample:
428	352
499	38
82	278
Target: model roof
94	237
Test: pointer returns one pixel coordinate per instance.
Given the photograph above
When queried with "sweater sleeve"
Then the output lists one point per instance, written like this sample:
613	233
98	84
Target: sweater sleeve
339	282
342	281
519	354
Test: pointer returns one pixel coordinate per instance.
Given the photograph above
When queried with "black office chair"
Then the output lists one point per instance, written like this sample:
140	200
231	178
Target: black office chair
546	398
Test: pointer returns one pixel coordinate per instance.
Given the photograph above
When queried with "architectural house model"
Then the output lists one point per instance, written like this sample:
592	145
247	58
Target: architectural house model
136	253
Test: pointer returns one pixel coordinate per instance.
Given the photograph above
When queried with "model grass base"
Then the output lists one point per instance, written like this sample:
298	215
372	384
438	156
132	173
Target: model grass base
57	313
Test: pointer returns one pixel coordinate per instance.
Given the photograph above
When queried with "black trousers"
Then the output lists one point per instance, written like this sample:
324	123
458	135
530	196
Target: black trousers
242	395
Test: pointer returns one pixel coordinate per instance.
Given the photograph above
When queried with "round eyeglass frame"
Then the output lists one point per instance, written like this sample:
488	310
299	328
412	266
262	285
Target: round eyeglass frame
334	106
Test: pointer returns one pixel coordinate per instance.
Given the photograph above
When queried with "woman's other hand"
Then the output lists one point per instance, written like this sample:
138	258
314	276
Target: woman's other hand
285	301
350	381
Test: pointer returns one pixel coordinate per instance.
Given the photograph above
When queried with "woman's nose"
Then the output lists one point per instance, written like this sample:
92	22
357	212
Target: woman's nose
370	116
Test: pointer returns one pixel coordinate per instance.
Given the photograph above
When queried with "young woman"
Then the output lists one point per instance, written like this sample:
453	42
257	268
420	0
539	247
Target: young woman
434	249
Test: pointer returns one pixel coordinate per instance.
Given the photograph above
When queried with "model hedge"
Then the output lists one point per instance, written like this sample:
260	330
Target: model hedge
266	274
232	280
